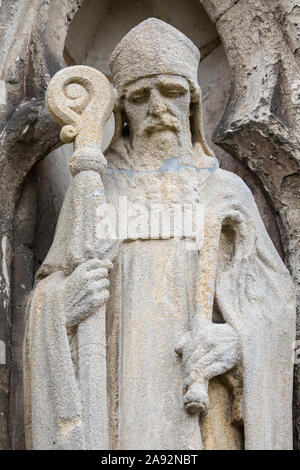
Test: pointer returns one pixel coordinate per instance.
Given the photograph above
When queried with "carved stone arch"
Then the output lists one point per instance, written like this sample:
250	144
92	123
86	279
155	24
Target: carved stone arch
54	29
264	79
33	52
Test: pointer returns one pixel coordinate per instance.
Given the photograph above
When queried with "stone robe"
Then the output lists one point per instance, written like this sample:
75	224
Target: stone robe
158	288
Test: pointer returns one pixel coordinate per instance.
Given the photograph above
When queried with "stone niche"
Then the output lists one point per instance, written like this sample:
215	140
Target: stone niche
93	34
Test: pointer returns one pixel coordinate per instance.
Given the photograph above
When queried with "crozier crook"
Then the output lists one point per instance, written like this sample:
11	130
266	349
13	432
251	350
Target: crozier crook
81	100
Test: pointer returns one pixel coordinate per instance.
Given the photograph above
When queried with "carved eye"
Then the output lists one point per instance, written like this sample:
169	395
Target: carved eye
140	96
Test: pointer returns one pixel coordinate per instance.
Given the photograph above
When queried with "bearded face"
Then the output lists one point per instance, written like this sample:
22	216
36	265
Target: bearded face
157	105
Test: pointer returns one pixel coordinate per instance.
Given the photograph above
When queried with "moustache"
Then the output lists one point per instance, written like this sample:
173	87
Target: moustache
165	122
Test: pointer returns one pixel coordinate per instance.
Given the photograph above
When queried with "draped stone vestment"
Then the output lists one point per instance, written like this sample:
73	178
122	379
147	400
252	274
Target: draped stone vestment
156	287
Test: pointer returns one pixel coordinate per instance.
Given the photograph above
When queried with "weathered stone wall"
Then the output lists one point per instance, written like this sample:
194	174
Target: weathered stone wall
249	74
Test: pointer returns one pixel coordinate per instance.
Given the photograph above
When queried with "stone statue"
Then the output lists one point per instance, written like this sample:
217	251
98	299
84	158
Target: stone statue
143	339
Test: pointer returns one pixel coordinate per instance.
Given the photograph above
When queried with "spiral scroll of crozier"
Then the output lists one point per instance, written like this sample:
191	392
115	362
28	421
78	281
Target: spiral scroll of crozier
80	99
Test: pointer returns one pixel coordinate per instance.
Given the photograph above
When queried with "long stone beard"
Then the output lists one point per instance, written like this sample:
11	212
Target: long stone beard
152	149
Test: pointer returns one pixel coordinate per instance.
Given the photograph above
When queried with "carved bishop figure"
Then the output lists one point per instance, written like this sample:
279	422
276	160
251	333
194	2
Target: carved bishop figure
199	323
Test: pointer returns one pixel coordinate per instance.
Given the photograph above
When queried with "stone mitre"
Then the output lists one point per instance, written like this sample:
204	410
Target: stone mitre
151	48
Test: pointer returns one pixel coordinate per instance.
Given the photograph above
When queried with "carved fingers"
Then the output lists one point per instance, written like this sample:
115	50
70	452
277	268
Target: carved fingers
212	351
86	290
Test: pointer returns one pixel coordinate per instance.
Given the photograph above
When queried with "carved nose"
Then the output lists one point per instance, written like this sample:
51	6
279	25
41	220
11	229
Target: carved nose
157	106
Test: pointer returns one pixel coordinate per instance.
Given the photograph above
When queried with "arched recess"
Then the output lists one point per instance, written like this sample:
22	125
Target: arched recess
44	52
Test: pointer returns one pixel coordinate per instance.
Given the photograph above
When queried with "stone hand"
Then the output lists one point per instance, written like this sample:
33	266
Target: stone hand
212	351
85	290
